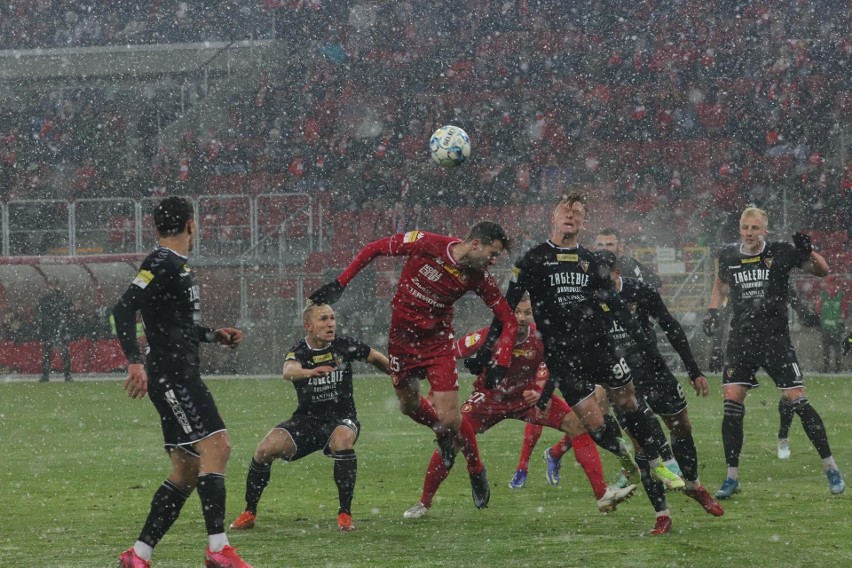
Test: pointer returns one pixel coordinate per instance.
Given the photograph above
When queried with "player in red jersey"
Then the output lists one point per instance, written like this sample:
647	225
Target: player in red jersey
438	271
515	398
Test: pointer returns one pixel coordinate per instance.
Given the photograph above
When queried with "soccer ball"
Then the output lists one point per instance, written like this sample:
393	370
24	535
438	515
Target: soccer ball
449	146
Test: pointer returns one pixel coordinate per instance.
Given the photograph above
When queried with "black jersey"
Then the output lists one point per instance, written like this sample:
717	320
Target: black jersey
566	287
329	396
759	285
166	293
632	268
648	306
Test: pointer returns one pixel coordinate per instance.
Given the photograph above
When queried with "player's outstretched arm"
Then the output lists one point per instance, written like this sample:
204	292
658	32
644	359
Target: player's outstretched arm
379	361
293	371
330	292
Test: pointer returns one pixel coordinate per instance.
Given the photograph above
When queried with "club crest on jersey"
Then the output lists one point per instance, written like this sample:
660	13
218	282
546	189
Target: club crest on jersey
584	265
516	273
767	262
564	257
412	236
730	373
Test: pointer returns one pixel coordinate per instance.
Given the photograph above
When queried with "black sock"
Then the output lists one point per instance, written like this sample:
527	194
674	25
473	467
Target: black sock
653	488
211	491
686	456
785	413
345	471
165	508
607	438
812	423
732	431
660	440
256	481
640	424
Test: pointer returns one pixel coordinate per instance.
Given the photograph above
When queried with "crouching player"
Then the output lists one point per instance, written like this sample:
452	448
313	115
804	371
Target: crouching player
319	366
515	398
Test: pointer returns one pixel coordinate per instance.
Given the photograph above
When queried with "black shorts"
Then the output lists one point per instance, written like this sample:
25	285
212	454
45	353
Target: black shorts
655	382
579	368
747	352
187	410
311	434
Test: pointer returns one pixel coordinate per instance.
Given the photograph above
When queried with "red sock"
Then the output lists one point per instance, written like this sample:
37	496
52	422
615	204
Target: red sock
436	473
466	437
532	432
425	414
586	454
560	448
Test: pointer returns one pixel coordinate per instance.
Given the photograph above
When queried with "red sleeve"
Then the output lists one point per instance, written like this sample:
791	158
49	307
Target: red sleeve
469	344
396	245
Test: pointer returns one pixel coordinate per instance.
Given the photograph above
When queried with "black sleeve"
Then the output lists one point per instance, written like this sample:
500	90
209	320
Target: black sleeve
675	334
124	314
206	334
355	349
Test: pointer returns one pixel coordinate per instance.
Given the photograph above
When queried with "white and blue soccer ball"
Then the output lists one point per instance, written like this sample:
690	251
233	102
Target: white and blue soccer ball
449	146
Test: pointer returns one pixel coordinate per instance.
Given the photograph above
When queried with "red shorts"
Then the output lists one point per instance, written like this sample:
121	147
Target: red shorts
483	410
440	371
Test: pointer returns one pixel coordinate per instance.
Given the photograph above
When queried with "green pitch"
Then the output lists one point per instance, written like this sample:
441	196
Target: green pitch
81	462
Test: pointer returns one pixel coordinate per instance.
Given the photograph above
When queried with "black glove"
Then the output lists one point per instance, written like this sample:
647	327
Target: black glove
847	345
716	359
810	320
476	362
803	244
711	322
327	293
495	375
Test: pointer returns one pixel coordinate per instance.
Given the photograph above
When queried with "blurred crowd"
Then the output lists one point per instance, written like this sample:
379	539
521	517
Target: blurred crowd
677	112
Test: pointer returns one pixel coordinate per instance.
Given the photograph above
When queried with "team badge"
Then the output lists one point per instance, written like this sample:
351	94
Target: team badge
466	407
767	262
516	273
730	372
584	265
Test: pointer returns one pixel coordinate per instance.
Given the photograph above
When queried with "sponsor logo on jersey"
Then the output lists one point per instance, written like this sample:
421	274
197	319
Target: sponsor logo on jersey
750	260
143	278
322	358
430	272
604	307
472	339
412	236
584	264
564	257
767	262
525	353
290	356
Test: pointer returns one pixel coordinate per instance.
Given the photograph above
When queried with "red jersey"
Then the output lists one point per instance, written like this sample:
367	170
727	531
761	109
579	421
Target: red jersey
430	283
526	369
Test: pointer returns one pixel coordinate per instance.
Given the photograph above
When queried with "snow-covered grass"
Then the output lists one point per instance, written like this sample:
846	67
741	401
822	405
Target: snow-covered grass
81	462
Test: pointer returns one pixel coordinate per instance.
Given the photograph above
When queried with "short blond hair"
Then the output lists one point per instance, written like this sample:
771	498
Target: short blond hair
756	212
309	308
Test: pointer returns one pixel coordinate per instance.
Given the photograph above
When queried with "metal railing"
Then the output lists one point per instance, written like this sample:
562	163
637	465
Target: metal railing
267	228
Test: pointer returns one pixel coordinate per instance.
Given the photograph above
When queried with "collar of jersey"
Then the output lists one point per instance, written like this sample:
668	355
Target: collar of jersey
527	336
450	255
763	248
175	252
554	245
318	348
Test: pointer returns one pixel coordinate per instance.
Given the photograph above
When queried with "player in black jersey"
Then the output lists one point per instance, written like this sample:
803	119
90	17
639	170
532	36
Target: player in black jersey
610	239
661	390
166	293
320	368
574	302
755	274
